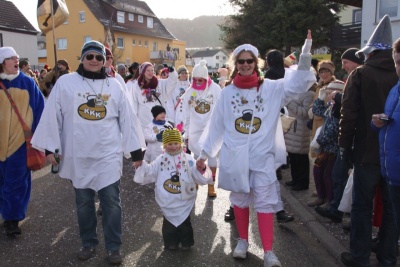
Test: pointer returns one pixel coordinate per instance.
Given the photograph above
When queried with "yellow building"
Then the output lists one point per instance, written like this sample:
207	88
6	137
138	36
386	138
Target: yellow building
129	27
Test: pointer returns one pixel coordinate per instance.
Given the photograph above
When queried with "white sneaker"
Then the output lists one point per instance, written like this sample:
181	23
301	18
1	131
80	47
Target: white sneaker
270	260
241	249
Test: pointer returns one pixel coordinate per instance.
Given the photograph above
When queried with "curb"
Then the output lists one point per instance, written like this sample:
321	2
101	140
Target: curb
316	228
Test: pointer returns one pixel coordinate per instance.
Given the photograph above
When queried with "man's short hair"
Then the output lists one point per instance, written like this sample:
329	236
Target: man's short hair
23	63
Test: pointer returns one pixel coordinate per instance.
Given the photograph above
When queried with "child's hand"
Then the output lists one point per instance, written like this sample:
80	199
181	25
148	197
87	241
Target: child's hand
137	164
201	165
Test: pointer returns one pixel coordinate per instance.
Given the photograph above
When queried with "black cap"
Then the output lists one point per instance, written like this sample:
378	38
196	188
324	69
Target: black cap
157	110
350	54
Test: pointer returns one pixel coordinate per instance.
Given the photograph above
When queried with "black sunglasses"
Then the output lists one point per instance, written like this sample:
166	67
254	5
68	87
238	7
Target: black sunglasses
248	61
91	56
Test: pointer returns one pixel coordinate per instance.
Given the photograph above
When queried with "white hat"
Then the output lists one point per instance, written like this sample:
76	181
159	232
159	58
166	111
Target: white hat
6	52
246	47
336	86
200	70
381	38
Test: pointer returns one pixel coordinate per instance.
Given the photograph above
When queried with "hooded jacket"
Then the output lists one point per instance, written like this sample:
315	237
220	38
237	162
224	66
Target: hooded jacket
365	94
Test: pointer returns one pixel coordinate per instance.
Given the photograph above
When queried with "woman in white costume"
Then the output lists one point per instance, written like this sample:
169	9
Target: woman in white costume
252	103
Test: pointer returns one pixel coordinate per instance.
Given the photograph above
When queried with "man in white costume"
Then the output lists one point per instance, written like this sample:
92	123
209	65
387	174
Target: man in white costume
89	119
242	129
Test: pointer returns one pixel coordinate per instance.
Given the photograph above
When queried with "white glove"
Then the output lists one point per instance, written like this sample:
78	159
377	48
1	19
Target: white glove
322	94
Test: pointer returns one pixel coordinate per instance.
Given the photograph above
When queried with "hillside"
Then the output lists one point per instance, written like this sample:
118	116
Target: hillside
200	32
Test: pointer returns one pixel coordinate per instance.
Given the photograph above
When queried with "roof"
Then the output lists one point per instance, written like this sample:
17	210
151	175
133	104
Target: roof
356	3
13	20
207	53
104	10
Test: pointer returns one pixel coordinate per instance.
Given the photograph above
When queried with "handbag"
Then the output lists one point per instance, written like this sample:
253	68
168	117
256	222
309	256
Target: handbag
234	167
35	159
316	148
287	121
347	199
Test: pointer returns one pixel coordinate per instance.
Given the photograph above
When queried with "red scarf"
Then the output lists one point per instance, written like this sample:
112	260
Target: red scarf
246	82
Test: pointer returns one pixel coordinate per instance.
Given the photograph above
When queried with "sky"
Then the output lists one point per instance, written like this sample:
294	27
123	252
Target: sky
177	9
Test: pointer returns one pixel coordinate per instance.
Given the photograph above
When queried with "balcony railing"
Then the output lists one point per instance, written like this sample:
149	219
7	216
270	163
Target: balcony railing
346	35
164	55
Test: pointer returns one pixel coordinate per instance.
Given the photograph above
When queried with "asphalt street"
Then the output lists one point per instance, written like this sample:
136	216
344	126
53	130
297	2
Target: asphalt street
50	233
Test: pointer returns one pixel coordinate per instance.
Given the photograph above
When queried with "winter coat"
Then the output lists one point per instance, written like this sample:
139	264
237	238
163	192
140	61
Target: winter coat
318	120
327	139
389	143
365	94
297	139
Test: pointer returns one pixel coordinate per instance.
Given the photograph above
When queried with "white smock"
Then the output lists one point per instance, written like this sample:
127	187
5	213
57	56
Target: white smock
92	134
167	190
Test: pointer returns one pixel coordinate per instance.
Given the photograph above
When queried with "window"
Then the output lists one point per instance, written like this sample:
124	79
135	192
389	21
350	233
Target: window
131	17
357	16
1	40
149	22
140	42
146	43
133	42
82	17
120	42
217	65
87	39
140	19
155	46
216	57
62	43
121	17
389	7
224	58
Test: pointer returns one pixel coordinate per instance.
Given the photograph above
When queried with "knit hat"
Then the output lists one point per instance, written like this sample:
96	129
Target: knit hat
6	52
245	47
93	46
120	66
350	54
156	110
63	62
143	67
336	86
290	60
171	135
327	65
108	52
165	71
182	68
381	38
200	70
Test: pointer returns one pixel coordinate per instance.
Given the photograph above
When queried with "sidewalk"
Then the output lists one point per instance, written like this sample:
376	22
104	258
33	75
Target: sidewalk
330	235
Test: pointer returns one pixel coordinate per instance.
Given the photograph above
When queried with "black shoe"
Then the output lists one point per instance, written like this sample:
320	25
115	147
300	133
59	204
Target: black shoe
279	174
299	188
347	260
229	215
290	183
283	217
86	253
11	228
114	257
328	214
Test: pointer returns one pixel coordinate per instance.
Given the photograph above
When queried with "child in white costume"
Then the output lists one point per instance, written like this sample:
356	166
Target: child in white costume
153	133
252	103
196	106
175	176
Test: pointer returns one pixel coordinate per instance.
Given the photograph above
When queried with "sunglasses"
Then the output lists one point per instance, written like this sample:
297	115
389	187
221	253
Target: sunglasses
248	61
199	80
91	56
